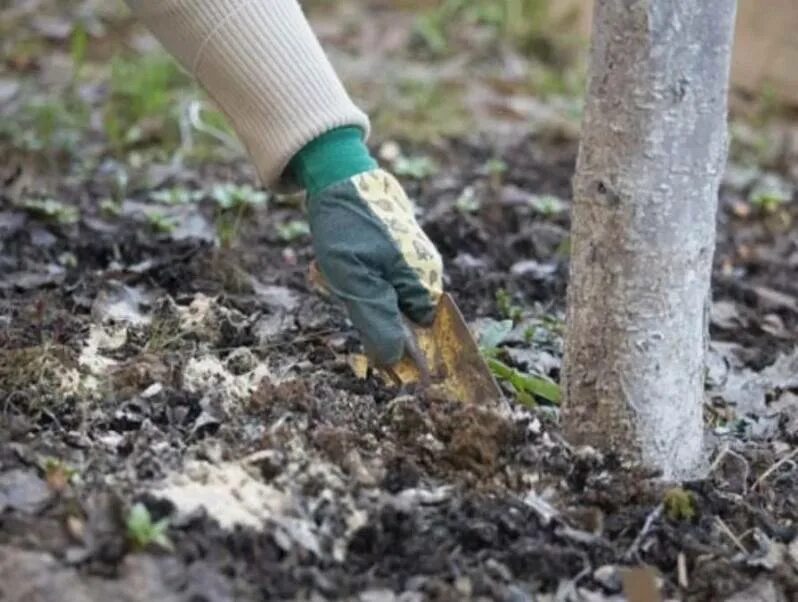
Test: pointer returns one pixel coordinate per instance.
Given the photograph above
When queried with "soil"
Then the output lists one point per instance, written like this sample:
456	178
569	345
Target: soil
212	385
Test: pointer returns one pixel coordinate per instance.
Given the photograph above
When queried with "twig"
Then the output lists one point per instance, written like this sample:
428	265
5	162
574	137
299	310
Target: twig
681	570
774	468
567	590
195	109
725	528
635	547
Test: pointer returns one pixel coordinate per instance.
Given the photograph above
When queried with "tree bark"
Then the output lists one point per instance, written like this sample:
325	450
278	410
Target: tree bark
651	156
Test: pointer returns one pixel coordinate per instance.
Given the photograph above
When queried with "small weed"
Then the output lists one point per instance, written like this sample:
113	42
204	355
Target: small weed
506	307
161	223
177	196
767	202
163	333
415	167
292	230
233	203
142	532
526	386
770	193
143	101
545	329
679	504
40	376
234	197
51	210
78	43
467	202
110	208
495	169
50	126
547	205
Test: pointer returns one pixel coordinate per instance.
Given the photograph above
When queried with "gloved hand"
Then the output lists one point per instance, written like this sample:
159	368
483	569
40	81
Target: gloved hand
376	259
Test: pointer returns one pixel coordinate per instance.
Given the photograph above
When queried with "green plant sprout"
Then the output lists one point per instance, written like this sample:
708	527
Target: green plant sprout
143	532
161	223
292	230
527	387
233	202
415	167
51	210
506	306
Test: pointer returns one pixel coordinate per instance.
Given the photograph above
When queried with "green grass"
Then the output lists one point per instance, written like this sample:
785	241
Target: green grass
421	112
527	25
506	307
143	102
233	204
160	223
51	126
50	210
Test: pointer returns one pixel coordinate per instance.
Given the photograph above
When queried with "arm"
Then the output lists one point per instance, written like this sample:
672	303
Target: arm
264	67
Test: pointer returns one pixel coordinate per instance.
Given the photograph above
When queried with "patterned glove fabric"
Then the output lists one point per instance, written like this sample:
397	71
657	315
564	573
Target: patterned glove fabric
376	258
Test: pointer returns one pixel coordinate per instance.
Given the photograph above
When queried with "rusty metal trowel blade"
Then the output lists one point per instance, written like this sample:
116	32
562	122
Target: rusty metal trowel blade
454	365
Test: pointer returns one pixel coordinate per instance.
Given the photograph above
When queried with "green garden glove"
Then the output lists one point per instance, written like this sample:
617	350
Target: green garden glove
375	258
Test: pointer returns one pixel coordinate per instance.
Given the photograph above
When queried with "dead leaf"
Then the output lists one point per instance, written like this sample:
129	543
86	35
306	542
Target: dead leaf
276	297
724	314
359	364
772	299
640	585
122	303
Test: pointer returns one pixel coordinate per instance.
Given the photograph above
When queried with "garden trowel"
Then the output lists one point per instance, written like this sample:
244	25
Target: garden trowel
442	359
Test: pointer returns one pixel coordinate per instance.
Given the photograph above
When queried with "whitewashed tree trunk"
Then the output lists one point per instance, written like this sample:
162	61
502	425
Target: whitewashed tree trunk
651	156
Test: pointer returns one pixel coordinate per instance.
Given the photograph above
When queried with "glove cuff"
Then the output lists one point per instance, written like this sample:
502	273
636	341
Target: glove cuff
331	158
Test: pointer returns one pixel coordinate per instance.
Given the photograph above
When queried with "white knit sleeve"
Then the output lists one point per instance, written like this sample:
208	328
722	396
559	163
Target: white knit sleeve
261	63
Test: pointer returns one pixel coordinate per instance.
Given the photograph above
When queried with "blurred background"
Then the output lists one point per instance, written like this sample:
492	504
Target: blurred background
475	100
80	81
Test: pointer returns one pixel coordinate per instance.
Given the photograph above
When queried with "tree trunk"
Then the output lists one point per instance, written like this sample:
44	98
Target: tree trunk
652	153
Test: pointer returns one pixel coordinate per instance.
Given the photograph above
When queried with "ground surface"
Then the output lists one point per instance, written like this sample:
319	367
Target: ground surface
159	345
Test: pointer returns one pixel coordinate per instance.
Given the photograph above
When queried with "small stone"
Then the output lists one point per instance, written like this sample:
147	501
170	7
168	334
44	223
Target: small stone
377	595
463	586
24	491
607	576
240	361
516	594
499	570
151	391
